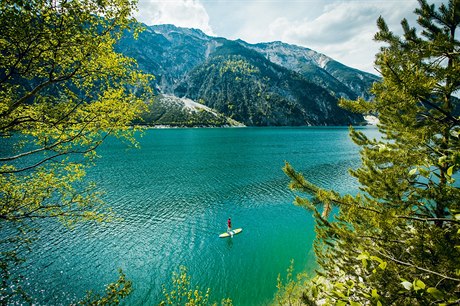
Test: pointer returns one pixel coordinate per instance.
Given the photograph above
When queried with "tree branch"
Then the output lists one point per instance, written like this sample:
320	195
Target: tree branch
417	267
50	147
98	143
429	219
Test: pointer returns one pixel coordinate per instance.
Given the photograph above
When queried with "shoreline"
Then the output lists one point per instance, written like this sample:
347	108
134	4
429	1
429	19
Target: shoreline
167	126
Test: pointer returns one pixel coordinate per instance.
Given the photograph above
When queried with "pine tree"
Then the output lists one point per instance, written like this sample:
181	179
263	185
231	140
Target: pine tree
397	242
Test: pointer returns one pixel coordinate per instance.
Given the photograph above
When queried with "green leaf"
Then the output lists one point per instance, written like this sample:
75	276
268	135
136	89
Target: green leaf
379	303
383	265
340	303
353	303
339	294
442	159
339	286
375	295
413	172
314	292
377	259
437	294
363	256
418	284
407	285
450	170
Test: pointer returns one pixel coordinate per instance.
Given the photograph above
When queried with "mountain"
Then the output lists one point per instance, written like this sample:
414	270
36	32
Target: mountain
339	79
167	52
244	85
256	84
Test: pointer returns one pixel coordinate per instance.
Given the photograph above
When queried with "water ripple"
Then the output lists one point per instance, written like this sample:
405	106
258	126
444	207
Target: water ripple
174	196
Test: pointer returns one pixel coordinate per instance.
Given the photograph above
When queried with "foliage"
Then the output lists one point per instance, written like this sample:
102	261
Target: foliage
183	293
113	293
172	111
290	292
397	242
63	90
238	67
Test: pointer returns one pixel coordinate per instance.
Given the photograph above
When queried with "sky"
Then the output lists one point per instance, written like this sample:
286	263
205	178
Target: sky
341	29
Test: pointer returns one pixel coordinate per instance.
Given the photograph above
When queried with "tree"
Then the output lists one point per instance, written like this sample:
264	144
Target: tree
114	292
63	90
183	293
397	242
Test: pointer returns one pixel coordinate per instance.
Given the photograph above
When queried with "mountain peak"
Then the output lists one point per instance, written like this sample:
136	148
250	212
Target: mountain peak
277	44
291	55
169	30
270	83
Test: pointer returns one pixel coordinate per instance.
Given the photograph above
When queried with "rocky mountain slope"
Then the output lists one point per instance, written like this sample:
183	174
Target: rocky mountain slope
262	84
182	112
318	68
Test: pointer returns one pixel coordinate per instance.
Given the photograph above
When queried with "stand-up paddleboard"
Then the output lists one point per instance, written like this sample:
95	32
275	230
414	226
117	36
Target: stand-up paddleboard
231	233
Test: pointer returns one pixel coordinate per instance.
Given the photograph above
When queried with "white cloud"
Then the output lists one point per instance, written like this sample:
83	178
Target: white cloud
182	13
341	29
344	30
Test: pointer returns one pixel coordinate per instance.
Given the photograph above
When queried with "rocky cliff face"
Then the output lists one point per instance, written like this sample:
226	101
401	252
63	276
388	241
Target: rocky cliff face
262	84
338	79
244	85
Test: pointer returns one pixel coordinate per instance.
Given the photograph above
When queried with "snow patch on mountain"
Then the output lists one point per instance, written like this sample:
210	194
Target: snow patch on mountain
193	106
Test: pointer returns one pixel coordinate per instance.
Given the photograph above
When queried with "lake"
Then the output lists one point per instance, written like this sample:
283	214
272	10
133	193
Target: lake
173	197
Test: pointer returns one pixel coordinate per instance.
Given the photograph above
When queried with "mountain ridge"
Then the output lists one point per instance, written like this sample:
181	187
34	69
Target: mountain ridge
303	85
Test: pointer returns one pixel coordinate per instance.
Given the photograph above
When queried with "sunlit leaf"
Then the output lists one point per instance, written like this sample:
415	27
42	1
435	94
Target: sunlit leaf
407	285
418	284
435	293
374	294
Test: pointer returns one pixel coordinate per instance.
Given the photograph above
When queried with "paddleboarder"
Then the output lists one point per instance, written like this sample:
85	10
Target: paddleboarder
229	227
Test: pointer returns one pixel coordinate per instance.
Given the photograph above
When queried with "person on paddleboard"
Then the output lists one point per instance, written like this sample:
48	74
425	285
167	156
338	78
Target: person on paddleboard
229	224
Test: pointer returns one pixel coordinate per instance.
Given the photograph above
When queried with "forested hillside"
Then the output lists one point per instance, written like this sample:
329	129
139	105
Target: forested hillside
260	85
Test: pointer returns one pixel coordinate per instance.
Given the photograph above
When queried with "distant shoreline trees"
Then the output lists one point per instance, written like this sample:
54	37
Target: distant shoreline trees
63	90
397	242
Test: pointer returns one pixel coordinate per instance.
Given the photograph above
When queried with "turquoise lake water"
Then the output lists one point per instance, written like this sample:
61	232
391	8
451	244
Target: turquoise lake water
174	195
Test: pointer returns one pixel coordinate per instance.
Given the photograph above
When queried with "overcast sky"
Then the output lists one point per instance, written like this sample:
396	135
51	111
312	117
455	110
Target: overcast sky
343	29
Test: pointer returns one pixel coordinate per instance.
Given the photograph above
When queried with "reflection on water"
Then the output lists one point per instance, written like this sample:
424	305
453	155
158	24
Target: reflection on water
230	243
174	196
